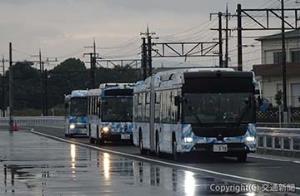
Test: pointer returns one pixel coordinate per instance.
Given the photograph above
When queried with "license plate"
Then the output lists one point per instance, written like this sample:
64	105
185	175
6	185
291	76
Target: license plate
125	136
220	148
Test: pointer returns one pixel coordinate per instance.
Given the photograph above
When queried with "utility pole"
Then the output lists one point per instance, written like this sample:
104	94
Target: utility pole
3	88
268	25
42	82
220	40
42	63
11	86
147	52
239	32
92	84
46	91
227	38
144	59
93	57
285	110
220	29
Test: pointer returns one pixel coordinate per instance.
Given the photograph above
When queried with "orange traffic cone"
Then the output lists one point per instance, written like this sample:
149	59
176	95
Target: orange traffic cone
15	127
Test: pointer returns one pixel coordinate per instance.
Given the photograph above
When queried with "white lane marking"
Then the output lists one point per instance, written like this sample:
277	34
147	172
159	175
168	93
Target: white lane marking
156	161
282	159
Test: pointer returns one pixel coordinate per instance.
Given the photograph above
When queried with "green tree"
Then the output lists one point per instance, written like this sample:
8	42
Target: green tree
69	75
27	86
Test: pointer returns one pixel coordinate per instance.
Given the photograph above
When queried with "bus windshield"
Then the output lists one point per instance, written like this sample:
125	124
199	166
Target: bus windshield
78	106
218	108
116	109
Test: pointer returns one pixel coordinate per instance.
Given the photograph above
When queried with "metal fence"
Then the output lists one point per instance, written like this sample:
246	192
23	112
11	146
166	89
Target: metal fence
283	140
272	115
33	121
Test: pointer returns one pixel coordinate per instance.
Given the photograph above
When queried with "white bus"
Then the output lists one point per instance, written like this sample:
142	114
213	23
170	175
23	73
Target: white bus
76	113
112	120
205	110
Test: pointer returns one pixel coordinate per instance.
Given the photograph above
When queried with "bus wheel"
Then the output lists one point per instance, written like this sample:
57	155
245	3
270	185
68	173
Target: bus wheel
242	157
174	150
67	135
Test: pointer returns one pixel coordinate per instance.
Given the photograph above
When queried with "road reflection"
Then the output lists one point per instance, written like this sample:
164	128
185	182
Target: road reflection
73	157
106	165
189	183
47	167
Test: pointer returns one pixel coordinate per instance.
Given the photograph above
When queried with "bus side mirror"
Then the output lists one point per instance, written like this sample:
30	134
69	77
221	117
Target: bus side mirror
66	105
257	92
177	100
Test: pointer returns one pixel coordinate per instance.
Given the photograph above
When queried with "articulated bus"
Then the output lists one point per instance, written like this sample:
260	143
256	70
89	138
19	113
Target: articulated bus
76	113
112	120
205	110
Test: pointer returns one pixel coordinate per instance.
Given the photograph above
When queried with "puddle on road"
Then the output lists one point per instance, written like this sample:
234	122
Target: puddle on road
39	166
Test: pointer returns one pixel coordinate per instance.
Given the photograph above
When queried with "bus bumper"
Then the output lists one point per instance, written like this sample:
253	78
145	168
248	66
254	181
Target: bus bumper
77	130
117	137
232	148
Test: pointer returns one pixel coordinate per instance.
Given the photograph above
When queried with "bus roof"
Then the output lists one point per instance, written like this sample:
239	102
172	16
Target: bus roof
94	92
79	93
176	77
116	85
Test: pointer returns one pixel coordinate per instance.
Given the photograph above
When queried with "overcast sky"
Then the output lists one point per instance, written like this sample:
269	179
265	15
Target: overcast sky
61	28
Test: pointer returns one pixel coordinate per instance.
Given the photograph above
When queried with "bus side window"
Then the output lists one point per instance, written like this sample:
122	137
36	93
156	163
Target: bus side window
157	97
88	104
95	106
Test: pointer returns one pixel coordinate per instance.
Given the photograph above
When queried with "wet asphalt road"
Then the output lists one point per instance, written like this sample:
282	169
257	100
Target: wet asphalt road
35	165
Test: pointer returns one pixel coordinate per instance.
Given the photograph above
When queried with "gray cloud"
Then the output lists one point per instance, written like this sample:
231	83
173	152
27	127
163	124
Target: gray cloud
63	26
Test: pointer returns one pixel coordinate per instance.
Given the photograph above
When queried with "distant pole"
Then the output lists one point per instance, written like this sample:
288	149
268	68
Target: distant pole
144	59
92	71
220	40
285	109
42	82
93	59
46	91
149	54
11	86
3	87
227	39
94	66
239	32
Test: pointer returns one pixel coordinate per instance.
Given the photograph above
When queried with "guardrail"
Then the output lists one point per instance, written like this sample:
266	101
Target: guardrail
27	121
281	140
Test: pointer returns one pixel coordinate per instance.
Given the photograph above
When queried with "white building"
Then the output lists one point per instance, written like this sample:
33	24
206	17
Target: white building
269	73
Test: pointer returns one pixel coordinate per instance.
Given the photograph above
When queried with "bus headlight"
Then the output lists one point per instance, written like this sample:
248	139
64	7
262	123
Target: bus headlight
188	140
105	129
250	139
72	126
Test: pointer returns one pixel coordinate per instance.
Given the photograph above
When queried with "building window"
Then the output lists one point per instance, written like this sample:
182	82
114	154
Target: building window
295	56
277	57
